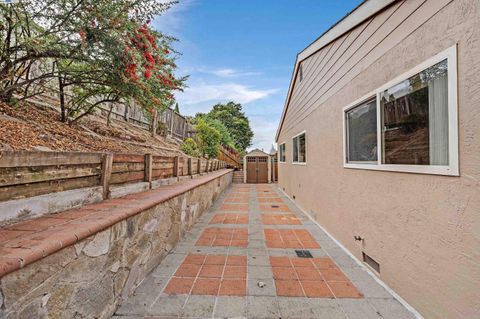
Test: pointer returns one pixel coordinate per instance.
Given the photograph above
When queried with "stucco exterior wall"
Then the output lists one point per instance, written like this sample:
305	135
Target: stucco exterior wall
424	230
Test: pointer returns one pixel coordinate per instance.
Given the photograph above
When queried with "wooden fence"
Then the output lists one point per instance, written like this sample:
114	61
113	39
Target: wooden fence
25	174
168	122
229	156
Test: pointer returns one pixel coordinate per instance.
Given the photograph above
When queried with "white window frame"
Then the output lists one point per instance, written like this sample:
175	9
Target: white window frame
453	167
284	152
293	137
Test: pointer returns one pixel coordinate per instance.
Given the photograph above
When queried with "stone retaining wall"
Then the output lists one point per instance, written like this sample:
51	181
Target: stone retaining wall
90	278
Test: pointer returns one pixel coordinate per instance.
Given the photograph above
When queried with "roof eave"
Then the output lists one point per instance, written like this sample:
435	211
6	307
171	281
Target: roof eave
363	12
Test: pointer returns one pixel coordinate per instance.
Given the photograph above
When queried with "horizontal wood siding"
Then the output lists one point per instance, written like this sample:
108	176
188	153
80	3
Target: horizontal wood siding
327	71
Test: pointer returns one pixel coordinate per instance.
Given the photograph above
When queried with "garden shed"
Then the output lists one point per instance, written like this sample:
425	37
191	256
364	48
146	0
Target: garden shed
257	167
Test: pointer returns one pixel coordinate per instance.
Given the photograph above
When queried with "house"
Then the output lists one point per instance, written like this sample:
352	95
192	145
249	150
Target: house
379	142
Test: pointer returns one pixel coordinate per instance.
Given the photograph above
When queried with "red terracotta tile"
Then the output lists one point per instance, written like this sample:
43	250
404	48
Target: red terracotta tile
8	265
303	234
344	290
259	195
232	219
237	260
215	260
232	287
324	263
221	242
211	271
270	200
179	285
6	234
187	270
280	261
308	273
302	262
333	274
205	286
239	243
243	219
194	259
316	289
289	288
217	219
36	224
284	273
293	244
25	255
75	213
235	207
237	200
280	219
310	244
239	272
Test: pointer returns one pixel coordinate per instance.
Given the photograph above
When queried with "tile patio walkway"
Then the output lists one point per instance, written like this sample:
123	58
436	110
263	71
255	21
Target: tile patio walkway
239	261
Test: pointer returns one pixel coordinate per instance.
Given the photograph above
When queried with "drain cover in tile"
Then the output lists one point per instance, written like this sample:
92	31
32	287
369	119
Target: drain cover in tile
275	206
303	254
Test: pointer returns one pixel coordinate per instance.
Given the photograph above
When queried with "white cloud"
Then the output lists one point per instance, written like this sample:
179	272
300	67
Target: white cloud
204	92
264	128
172	20
228	73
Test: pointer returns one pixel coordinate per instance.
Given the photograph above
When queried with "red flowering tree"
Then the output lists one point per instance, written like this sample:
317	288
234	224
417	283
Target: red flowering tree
148	67
98	51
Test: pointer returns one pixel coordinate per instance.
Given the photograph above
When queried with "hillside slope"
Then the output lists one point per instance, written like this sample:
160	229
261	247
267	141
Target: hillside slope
30	127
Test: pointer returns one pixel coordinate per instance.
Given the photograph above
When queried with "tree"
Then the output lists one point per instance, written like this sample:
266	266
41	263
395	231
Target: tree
237	124
207	139
177	109
100	51
225	137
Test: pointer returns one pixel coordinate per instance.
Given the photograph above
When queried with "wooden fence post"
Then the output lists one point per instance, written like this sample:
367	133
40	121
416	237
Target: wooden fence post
154	122
107	162
126	115
175	166
148	169
206	166
190	166
184	129
172	113
199	166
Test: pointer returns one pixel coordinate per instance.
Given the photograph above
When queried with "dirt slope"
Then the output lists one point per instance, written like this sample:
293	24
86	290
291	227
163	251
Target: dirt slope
29	127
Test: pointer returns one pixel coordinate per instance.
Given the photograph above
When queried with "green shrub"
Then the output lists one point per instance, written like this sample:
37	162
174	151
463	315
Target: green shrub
190	147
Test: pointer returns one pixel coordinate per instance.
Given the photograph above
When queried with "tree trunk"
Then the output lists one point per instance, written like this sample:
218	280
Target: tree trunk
6	96
63	110
109	114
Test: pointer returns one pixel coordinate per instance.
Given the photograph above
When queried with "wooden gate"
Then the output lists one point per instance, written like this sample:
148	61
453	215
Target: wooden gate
257	169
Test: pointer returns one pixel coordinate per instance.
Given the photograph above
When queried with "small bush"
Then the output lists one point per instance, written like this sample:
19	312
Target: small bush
190	147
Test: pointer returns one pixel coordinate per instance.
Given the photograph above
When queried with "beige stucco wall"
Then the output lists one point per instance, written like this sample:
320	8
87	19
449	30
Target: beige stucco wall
424	230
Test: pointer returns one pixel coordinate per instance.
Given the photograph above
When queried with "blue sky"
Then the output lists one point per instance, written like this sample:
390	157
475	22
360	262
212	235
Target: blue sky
245	51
